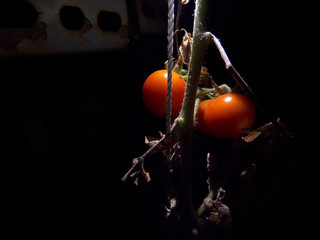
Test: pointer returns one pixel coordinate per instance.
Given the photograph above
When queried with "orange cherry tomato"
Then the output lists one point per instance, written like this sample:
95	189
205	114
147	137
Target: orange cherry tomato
200	123
228	114
154	93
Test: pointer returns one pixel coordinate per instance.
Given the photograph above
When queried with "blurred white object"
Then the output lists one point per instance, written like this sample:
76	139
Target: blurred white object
67	26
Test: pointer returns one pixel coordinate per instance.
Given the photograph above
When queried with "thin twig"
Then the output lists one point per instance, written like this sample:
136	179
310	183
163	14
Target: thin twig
245	87
152	149
134	164
237	77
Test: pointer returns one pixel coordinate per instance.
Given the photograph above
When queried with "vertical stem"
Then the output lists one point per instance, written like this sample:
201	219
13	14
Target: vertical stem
201	40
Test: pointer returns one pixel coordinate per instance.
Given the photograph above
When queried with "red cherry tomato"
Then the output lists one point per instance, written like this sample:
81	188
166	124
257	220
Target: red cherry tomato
200	123
154	93
228	114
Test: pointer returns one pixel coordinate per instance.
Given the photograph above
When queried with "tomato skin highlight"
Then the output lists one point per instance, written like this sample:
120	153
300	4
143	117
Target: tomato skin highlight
200	123
154	93
228	114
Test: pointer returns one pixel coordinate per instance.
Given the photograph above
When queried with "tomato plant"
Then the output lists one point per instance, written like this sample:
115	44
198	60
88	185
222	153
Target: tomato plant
154	93
227	115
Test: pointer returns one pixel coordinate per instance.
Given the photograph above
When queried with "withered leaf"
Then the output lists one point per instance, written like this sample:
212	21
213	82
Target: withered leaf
155	143
265	131
166	63
140	177
185	47
204	77
150	141
137	177
184	1
224	211
146	175
221	217
214	218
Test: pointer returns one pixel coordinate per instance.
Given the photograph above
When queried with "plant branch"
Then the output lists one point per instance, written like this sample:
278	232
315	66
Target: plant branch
237	77
245	87
201	40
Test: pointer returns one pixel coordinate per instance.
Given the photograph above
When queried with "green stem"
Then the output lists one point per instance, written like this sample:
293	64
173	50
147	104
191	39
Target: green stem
201	208
201	40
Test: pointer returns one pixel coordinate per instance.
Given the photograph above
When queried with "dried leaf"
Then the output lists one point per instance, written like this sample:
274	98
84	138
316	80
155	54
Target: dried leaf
220	195
224	211
155	142
219	89
267	131
208	203
137	177
185	47
185	1
172	206
173	202
251	136
214	218
226	220
136	181
146	175
222	218
140	177
204	77
150	141
166	63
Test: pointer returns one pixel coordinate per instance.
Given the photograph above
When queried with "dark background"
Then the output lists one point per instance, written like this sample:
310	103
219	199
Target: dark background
72	123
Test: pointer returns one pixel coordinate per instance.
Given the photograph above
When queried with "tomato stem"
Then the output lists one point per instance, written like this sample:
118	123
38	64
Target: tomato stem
201	40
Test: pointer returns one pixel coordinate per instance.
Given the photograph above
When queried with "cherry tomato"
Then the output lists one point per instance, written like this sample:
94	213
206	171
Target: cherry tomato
200	123
154	93
228	114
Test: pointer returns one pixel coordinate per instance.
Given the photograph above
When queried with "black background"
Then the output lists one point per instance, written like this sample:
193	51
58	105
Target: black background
72	123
